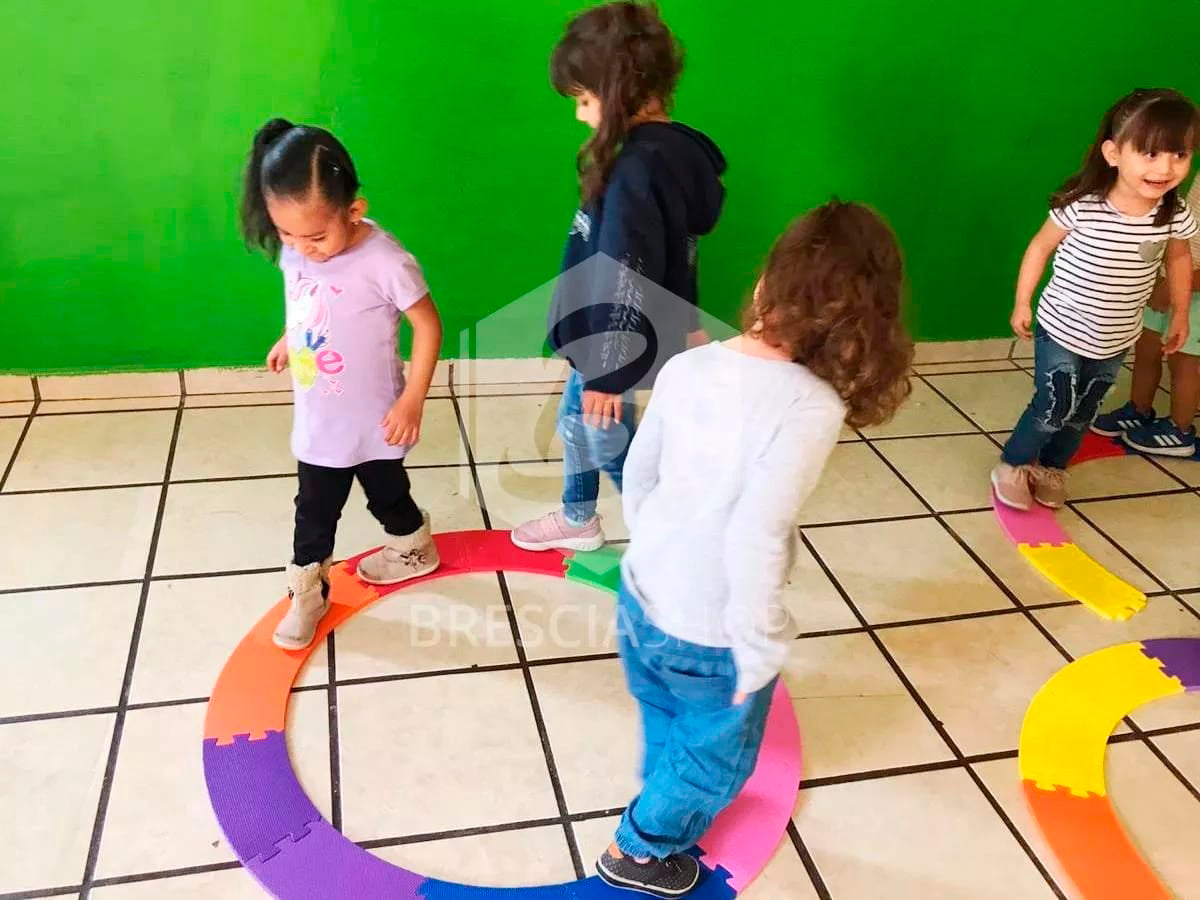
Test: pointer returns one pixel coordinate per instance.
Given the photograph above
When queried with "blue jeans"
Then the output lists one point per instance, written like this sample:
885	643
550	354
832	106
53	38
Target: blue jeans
699	748
1068	391
588	449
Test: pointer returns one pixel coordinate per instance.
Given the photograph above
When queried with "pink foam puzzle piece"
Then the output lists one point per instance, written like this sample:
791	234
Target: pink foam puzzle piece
745	836
1036	526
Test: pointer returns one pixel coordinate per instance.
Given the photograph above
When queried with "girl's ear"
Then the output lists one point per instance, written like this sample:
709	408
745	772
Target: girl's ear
1110	152
358	209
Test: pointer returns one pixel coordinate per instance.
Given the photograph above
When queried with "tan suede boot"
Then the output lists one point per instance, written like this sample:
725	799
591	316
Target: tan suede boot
402	558
308	586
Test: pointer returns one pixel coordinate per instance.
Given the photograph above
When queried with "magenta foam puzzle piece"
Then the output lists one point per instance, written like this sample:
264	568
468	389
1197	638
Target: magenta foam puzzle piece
1033	526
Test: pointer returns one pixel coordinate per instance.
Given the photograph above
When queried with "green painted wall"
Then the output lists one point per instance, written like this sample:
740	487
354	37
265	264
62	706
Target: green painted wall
127	124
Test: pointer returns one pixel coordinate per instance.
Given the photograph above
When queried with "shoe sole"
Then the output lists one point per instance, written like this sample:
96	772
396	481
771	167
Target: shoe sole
1182	452
581	545
1105	432
621	884
1000	497
1041	502
384	582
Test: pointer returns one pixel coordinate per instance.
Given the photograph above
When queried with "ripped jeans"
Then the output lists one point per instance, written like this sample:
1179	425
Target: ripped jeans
1068	391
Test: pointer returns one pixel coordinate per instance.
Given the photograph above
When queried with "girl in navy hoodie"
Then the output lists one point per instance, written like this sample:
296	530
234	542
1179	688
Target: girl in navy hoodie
625	301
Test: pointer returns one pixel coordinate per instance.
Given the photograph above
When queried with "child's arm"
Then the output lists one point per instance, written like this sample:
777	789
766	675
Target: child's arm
632	232
1179	288
1033	265
402	424
759	549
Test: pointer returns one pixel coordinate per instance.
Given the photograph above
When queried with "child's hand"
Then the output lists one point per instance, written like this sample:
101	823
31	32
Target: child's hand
601	409
1177	334
277	359
1022	321
739	698
402	425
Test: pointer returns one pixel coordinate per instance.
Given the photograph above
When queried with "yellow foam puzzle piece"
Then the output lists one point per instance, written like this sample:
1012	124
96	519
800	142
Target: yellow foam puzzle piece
1084	579
1066	729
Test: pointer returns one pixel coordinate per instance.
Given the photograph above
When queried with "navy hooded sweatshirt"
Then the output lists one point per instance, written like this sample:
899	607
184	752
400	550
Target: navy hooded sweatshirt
627	295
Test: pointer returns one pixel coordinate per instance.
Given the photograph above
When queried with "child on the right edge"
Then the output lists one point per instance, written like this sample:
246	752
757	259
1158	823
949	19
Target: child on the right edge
1111	227
732	444
1135	422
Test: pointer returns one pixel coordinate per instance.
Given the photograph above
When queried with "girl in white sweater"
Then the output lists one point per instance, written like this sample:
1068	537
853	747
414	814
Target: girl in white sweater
733	442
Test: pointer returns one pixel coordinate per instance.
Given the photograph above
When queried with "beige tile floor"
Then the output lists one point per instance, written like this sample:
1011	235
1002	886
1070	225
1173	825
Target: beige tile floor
145	531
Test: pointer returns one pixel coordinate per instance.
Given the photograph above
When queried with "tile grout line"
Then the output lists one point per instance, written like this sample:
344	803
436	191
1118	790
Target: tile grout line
522	659
89	870
335	756
12	460
936	723
810	864
1171	767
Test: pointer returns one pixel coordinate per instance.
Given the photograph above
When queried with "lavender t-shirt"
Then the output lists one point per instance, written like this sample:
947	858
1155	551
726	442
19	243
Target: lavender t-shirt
342	316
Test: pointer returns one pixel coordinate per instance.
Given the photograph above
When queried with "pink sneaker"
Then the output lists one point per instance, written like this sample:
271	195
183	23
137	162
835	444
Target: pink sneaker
553	532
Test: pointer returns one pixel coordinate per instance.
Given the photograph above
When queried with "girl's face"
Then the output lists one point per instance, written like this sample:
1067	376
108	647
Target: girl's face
1147	175
312	228
587	108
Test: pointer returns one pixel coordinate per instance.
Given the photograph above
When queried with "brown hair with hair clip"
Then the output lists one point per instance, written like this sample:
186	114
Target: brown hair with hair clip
1156	120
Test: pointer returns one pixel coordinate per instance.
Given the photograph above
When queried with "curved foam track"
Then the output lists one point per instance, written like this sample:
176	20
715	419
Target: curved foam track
1050	550
281	838
1061	757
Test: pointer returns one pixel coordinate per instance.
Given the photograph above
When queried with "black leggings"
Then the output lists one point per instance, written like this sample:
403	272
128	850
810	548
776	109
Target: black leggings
323	493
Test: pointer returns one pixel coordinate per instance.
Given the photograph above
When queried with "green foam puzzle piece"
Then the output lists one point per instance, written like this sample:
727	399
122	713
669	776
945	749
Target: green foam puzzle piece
603	560
599	568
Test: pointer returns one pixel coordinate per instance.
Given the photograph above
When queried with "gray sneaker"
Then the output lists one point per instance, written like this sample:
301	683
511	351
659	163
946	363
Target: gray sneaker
670	877
401	558
308	588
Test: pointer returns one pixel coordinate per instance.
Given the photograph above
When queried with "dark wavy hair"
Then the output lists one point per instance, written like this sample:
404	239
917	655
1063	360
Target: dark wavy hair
1157	120
830	295
292	161
627	56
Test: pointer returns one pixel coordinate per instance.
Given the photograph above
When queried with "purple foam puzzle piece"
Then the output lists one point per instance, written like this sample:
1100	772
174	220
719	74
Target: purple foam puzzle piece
255	794
325	866
1180	658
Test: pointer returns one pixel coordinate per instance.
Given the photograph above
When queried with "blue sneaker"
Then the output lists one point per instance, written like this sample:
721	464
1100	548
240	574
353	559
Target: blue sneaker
1119	421
1162	437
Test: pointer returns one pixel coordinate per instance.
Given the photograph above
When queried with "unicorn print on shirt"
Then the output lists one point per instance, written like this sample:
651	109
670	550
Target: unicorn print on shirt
310	337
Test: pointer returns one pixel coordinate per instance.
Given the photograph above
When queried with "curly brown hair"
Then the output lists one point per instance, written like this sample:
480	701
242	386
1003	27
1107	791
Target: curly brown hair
830	296
627	56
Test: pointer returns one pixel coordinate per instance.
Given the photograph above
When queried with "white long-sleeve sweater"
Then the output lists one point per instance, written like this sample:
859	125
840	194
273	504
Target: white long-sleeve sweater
729	449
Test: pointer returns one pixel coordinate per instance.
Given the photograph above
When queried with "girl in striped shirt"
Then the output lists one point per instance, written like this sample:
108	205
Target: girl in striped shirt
1111	228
